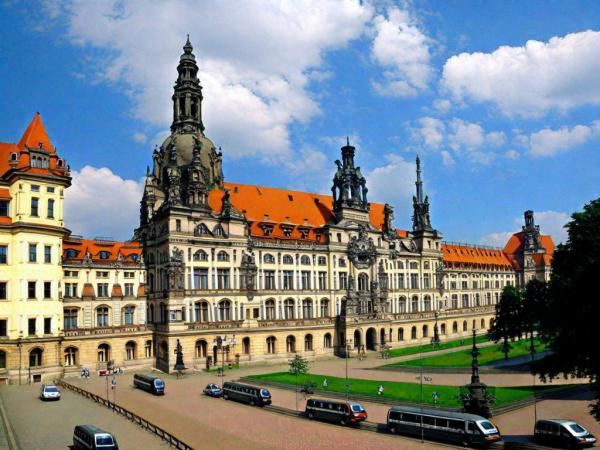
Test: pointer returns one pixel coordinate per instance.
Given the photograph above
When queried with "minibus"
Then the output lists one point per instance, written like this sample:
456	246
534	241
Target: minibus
245	393
344	413
149	383
91	437
466	429
562	433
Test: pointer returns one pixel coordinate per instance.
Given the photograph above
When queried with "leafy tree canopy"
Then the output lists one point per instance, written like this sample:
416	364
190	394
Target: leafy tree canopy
298	365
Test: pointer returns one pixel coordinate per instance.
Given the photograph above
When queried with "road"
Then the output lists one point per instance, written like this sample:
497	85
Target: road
42	425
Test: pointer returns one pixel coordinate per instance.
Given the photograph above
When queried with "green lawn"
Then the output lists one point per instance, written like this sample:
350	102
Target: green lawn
425	348
462	358
407	392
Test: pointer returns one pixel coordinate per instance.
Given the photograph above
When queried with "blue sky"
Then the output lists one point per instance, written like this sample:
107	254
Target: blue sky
500	100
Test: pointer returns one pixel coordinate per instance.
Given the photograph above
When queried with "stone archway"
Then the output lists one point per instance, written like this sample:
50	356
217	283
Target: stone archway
371	339
357	339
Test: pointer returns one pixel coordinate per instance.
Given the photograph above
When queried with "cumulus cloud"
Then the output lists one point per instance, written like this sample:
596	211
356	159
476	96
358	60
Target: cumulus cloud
402	49
512	154
517	80
447	159
393	183
101	203
548	142
431	131
140	138
256	60
466	135
550	222
442	105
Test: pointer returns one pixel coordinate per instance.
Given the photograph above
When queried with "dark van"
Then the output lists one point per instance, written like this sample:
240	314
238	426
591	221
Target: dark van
245	393
463	428
562	433
91	437
344	413
149	383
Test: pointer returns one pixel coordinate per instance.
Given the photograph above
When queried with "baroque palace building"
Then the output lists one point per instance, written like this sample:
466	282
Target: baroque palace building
230	271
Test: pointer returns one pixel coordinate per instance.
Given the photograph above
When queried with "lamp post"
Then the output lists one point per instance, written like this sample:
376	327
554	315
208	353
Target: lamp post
435	340
348	348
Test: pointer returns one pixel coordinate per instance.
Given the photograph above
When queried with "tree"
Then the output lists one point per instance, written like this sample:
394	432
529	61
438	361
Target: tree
533	306
570	323
507	321
298	365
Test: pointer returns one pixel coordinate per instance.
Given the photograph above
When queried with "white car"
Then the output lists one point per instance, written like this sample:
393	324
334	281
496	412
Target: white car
49	392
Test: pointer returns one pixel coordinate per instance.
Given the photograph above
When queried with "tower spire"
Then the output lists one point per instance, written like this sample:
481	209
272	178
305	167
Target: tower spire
419	183
187	95
421	219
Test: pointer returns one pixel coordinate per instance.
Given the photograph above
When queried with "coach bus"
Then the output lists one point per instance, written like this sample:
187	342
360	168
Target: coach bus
255	396
149	383
344	413
466	429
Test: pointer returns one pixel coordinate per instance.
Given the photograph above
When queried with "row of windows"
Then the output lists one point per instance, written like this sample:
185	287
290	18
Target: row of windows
32	290
102	315
35	207
32	253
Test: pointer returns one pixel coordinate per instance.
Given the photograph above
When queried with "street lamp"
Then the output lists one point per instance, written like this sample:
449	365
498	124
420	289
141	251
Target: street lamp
348	348
435	340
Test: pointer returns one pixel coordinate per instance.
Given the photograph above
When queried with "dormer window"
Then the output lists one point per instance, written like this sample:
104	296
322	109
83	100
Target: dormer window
70	253
287	230
134	257
14	157
104	254
267	229
218	230
202	230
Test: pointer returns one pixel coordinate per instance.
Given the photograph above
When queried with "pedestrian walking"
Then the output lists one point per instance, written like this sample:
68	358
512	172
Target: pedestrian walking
325	384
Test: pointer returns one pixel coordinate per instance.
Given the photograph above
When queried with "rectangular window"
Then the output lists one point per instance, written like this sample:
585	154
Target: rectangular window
343	280
322	281
34	206
305	280
129	274
3	328
31	290
2	290
50	189
270	279
47	325
32	252
102	289
31	327
70	289
453	285
201	279
475	285
4	208
400	280
50	209
426	281
288	279
177	225
35	188
414	281
101	274
129	289
223	278
47	289
465	284
3	254
70	317
47	254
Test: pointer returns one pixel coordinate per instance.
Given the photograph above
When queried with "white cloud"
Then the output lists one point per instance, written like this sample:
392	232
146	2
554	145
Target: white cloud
431	131
101	203
442	105
140	138
532	79
466	135
496	138
393	183
548	142
512	154
256	59
550	222
447	159
403	50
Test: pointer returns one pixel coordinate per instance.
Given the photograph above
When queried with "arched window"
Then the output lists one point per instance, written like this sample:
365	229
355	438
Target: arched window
287	259
307	308
271	341
130	351
201	311
363	282
2	359
425	331
402	304
128	315
327	340
201	348
290	344
246	346
148	348
102	317
36	357
308	343
427	303
103	353
163	350
202	230
465	300
322	261
224	310
222	256
70	356
400	334
474	324
464	325
415	304
482	324
443	328
305	260
200	255
454	301
454	327
288	308
413	333
218	230
270	309
414	265
324	307
400	265
269	259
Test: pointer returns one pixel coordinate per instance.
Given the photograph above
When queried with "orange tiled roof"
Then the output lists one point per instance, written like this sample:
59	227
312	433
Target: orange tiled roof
464	254
281	207
5	194
116	291
36	134
129	251
515	246
88	290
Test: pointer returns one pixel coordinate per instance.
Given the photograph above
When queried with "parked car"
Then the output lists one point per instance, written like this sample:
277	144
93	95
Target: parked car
49	392
562	433
90	437
213	390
